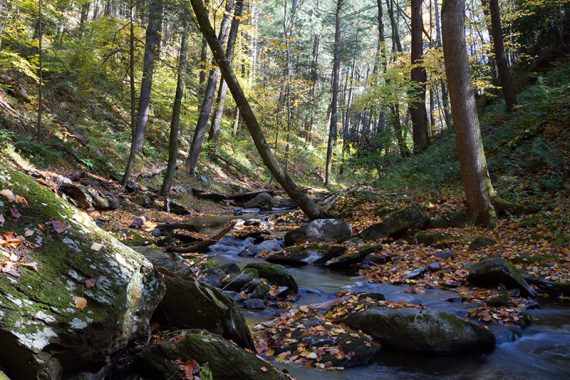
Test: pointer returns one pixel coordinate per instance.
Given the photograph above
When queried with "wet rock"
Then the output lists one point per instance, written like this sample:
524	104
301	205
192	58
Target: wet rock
51	321
224	359
378	258
257	288
444	254
498	301
275	274
239	280
418	330
262	248
262	201
254	304
416	273
434	267
314	254
481	242
192	304
493	271
166	261
175	208
320	230
352	257
398	224
234	296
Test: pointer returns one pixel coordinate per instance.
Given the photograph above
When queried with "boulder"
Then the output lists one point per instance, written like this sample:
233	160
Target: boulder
493	271
166	261
431	238
89	297
262	248
314	254
254	304
352	257
224	359
413	329
398	224
239	280
444	254
320	230
449	220
480	242
175	208
262	201
192	304
275	274
216	275
76	194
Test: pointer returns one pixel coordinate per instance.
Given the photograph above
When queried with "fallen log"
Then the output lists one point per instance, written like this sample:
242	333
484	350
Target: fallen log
165	229
201	246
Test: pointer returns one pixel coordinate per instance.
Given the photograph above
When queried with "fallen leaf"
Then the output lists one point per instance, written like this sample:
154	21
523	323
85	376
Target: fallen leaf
28	232
58	226
33	265
2	220
96	246
15	213
80	303
264	369
91	282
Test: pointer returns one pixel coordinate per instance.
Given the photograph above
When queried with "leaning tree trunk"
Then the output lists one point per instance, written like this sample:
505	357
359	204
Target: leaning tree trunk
155	11
209	97
175	121
419	77
500	57
219	111
334	101
298	196
474	173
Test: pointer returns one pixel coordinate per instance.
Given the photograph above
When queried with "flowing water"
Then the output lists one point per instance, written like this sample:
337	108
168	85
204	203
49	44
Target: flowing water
541	351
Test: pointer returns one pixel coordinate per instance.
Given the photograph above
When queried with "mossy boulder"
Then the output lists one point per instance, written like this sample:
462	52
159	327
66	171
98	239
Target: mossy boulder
493	271
89	297
191	304
320	230
224	359
480	242
315	254
352	257
412	329
398	224
275	274
431	238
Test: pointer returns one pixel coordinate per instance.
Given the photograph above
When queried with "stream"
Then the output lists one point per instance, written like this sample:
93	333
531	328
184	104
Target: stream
541	351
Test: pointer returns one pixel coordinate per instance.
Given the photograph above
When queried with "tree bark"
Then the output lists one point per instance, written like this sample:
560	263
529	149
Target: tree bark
40	69
334	101
500	57
175	121
300	198
219	111
209	97
474	173
419	77
155	12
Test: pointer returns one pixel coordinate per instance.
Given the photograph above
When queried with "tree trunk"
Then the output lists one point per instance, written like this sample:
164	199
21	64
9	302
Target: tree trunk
219	111
155	11
419	77
132	67
334	101
500	57
175	121
209	97
474	173
40	69
396	44
444	96
296	195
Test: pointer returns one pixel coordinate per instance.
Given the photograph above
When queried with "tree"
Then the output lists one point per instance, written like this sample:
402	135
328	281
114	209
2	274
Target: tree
152	41
419	76
209	97
334	101
297	195
40	69
500	57
175	121
474	173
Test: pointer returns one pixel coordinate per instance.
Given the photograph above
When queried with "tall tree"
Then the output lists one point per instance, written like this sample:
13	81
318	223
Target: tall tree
297	195
222	94
155	11
40	68
334	100
419	77
474	173
175	121
443	85
209	97
500	57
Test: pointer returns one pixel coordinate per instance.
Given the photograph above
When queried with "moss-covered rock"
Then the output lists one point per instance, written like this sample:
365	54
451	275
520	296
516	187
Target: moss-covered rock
315	254
44	333
398	224
190	304
275	274
480	242
224	359
492	271
352	257
320	230
418	330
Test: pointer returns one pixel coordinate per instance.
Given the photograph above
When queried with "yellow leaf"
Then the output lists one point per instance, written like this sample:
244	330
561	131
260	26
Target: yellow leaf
80	303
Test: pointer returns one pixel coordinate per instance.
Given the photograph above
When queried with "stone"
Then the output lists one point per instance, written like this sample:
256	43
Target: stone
398	224
262	201
132	187
76	194
222	358
175	208
138	223
316	254
166	261
257	288
352	257
262	248
444	254
254	304
320	230
416	273
413	329
275	274
239	280
453	219
430	238
51	321
481	242
216	275
193	304
434	267
493	271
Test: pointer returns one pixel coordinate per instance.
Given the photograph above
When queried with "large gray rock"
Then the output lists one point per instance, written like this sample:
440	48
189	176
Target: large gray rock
320	230
398	224
418	330
166	261
262	201
190	304
493	271
89	297
275	274
213	353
